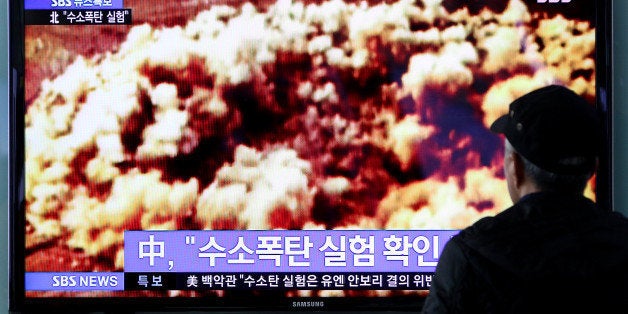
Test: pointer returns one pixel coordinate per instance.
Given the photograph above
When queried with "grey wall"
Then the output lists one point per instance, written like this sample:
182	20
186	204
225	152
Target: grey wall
620	51
620	99
4	149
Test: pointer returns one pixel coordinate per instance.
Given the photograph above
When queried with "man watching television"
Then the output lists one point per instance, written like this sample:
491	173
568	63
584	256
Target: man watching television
554	250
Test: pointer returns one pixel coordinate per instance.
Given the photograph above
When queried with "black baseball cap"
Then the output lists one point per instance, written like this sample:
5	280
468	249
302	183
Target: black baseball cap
554	128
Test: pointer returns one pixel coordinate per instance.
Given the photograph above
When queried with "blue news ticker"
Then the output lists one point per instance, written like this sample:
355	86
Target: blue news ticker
74	281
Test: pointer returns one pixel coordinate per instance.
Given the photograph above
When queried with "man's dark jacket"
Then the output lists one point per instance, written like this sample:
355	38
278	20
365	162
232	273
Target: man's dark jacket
549	253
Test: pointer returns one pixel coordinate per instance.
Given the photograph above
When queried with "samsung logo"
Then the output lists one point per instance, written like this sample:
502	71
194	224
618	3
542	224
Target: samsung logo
308	304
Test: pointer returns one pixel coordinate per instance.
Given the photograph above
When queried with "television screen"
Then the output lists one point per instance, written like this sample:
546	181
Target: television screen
282	155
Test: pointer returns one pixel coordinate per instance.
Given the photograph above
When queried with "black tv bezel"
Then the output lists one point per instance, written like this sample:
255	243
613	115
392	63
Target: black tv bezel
19	304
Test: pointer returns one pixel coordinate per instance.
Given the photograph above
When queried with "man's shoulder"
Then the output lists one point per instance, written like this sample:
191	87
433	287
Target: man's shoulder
618	218
486	230
492	225
541	221
546	210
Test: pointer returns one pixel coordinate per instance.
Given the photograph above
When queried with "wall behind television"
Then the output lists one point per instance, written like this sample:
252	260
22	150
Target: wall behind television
620	70
620	103
4	155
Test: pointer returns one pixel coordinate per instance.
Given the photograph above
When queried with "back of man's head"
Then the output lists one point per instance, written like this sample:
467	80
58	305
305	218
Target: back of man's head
557	134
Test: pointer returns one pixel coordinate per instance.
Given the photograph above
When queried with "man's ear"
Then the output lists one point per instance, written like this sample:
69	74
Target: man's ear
519	175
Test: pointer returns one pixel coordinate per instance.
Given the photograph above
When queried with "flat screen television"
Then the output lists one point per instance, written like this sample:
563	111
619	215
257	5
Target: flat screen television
289	155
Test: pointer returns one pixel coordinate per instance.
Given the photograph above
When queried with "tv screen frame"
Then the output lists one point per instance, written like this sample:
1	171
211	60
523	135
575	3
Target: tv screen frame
266	301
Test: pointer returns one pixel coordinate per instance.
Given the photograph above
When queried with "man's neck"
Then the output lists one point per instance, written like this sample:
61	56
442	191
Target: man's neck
528	187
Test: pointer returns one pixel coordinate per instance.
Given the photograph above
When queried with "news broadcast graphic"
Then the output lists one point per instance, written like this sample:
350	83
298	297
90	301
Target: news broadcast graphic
322	259
70	12
310	148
